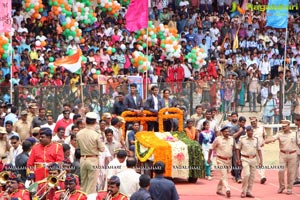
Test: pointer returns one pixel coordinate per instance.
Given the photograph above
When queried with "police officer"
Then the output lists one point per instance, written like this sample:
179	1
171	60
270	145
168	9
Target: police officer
260	133
90	144
247	149
287	156
224	146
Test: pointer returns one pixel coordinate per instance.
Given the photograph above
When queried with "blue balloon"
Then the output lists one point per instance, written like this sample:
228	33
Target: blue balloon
232	15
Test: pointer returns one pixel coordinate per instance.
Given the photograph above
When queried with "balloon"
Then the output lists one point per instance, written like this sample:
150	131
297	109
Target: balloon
51	59
232	15
38	43
93	71
233	7
98	72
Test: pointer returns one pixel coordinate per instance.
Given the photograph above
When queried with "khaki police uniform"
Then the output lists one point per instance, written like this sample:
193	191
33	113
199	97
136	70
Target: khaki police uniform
90	144
260	133
297	175
287	158
224	148
249	148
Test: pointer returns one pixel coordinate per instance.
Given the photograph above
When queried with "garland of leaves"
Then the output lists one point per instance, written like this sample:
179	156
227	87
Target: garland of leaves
196	158
143	157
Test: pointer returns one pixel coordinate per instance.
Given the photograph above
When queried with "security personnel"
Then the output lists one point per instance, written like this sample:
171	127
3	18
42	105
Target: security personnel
42	154
13	190
54	170
90	144
112	190
260	133
287	156
297	122
70	190
224	146
246	150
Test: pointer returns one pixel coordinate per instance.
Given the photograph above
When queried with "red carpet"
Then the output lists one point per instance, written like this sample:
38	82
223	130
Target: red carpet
205	189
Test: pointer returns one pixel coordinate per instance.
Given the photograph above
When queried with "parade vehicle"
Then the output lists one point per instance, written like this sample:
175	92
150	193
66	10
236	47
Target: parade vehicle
183	157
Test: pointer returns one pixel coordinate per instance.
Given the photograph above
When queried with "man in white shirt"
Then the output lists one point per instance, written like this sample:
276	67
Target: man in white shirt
129	178
15	149
50	124
265	68
214	33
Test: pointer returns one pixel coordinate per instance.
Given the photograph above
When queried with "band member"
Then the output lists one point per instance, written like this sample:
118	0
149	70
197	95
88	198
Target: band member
13	191
43	186
70	191
42	154
224	147
112	190
287	156
247	149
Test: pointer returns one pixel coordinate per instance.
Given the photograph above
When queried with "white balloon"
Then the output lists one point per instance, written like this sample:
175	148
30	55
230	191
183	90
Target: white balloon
123	47
93	71
38	43
68	20
73	28
70	37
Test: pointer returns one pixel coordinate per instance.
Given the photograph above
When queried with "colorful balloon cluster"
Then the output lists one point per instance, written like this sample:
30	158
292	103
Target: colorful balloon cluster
83	13
171	46
61	6
236	10
33	8
4	46
111	7
164	31
72	31
142	37
125	3
141	61
196	57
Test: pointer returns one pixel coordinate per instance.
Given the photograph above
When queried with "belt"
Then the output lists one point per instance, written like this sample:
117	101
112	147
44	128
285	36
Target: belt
40	165
224	158
245	156
4	157
89	156
288	152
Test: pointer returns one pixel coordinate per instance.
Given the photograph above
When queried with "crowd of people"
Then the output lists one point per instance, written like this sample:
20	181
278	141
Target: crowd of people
90	120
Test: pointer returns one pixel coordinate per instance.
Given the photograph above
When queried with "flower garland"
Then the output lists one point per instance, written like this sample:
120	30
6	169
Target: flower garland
196	158
143	118
162	116
162	150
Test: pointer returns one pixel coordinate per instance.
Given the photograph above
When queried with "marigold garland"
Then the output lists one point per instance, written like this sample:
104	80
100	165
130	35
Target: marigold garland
143	157
162	150
131	116
177	114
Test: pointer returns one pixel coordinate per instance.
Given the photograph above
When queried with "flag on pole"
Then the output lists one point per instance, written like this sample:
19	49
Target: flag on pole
5	16
137	15
236	40
71	63
277	13
224	41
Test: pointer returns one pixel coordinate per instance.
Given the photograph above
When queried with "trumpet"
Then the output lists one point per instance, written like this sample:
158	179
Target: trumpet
6	192
52	182
66	195
4	177
108	196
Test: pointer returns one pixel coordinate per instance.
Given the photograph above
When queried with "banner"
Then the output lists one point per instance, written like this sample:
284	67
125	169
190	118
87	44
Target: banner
5	16
137	15
277	13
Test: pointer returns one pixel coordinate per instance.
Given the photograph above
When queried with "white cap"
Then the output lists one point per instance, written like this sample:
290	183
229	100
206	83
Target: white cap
91	115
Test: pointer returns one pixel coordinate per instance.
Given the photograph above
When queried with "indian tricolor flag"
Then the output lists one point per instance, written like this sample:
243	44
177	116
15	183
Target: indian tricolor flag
71	63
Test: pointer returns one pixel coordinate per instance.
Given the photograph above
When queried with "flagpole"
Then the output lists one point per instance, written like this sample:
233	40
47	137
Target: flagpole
81	88
11	71
147	54
284	65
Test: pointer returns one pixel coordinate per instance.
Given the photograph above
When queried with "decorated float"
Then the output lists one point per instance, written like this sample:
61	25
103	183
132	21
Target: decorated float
182	156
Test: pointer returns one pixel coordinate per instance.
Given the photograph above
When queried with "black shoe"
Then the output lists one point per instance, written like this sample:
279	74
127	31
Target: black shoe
296	182
263	180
